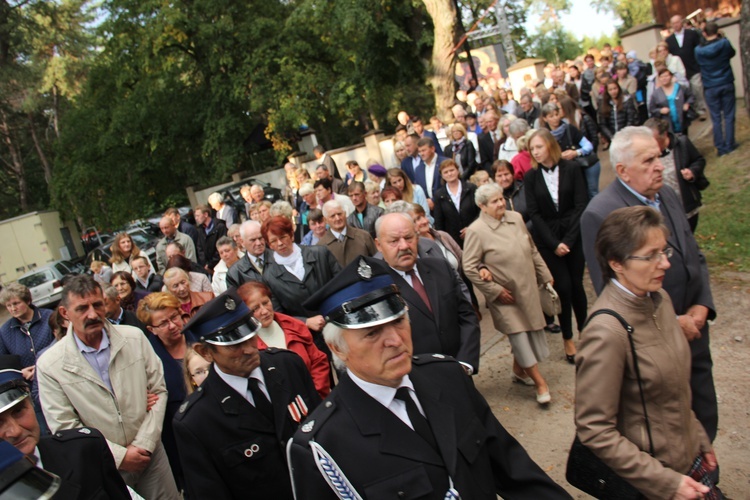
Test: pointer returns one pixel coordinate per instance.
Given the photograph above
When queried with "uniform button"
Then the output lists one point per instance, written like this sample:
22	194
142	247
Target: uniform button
401	494
479	441
328	404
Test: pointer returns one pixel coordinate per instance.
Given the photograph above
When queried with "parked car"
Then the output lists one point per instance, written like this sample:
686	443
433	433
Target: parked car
233	198
46	283
145	240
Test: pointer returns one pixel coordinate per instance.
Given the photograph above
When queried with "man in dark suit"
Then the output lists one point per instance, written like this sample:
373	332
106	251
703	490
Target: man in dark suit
635	154
320	154
251	266
489	141
558	82
210	229
337	185
346	243
427	174
441	314
114	311
528	111
412	161
80	457
682	42
421	131
232	431
399	426
365	214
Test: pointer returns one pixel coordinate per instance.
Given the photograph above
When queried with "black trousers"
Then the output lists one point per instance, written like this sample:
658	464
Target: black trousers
702	384
567	272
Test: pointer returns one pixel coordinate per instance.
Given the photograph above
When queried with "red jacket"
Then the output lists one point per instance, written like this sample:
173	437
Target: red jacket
299	340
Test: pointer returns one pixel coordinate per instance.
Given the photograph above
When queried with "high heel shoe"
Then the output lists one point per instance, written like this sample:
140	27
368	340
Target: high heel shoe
521	380
571	358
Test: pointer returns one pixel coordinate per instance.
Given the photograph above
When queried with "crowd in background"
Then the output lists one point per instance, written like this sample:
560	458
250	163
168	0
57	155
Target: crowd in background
498	195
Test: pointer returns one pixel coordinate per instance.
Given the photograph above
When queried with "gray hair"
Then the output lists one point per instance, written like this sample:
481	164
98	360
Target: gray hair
399	206
80	285
333	335
370	186
621	149
245	227
174	273
483	193
306	188
283	208
109	291
330	205
256	187
215	198
379	221
226	240
517	128
15	291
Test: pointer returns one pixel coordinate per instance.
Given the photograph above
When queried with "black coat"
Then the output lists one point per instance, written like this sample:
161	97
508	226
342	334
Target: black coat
288	292
686	156
690	41
84	462
487	150
452	327
243	270
617	120
208	242
130	319
228	449
553	226
155	284
369	216
450	220
467	158
383	458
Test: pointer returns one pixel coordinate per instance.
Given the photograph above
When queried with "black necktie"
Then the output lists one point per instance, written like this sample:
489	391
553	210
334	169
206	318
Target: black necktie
262	404
418	421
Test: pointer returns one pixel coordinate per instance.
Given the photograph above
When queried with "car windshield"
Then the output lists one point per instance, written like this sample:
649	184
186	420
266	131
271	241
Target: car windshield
37	279
140	239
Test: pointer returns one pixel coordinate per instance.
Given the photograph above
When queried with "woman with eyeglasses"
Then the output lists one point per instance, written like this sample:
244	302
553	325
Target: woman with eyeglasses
161	313
195	370
645	432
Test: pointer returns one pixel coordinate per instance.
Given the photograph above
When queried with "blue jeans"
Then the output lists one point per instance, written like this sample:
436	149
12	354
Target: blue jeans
721	104
591	175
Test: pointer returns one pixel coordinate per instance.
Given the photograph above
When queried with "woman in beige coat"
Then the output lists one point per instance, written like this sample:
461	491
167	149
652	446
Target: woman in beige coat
499	241
632	251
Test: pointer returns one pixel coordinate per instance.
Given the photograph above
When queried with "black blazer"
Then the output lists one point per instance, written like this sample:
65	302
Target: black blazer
84	462
552	225
452	327
288	292
450	220
486	151
208	242
468	158
690	41
228	449
383	458
243	270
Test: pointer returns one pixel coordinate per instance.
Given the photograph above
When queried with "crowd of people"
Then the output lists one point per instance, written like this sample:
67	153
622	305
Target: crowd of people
317	319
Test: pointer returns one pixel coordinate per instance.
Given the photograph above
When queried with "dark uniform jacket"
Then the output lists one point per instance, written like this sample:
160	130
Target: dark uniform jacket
452	327
243	270
369	216
82	459
450	220
228	449
383	458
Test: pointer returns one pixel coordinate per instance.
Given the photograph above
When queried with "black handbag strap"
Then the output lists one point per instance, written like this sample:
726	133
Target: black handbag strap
630	331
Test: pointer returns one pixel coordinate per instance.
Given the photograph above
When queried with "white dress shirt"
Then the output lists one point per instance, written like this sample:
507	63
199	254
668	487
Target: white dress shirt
386	396
552	179
239	384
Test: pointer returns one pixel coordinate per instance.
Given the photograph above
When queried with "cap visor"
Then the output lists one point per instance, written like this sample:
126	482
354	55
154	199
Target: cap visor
11	398
33	483
390	308
238	334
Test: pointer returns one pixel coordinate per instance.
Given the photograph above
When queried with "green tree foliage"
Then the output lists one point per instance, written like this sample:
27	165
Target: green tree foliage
632	12
556	45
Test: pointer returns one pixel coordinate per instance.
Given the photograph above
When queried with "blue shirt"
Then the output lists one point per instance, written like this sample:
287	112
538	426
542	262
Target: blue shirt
655	203
97	358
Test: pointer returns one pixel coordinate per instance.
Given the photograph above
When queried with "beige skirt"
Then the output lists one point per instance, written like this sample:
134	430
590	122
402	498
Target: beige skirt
529	348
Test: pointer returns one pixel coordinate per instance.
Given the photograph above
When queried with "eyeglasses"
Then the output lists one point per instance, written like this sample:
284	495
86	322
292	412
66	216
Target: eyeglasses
654	257
199	373
173	320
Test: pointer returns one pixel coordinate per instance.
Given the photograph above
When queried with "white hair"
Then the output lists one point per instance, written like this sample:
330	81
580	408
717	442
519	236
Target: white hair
330	205
283	208
486	191
621	150
245	227
379	222
332	335
256	187
306	188
399	206
215	198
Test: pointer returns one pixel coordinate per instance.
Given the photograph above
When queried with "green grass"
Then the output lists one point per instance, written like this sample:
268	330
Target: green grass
724	226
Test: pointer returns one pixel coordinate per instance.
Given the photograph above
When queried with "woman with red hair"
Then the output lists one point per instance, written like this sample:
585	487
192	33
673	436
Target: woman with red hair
284	332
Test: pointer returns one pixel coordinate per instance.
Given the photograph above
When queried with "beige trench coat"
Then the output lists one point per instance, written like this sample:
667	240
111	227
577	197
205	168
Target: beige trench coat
507	250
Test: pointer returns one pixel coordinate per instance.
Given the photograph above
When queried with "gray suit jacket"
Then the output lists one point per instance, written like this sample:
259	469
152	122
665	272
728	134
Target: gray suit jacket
358	242
369	216
686	281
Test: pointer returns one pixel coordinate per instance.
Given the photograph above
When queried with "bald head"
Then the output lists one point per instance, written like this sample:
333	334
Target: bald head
167	227
676	23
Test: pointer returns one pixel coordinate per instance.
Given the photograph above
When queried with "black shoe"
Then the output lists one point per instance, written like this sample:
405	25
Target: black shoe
552	328
571	358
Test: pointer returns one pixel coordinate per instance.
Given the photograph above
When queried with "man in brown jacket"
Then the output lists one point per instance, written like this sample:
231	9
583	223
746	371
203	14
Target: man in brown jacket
345	242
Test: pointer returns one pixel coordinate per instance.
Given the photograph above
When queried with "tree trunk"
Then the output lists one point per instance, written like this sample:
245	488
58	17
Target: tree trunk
16	163
745	50
443	66
39	151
